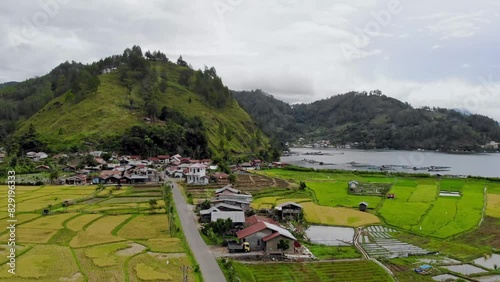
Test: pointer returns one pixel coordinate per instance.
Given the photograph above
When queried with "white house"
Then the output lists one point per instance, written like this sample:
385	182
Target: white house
197	174
492	145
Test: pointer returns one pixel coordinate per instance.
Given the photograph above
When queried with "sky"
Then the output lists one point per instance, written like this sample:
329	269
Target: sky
435	53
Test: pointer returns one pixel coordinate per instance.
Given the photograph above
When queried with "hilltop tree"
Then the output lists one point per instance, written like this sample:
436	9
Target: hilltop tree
181	62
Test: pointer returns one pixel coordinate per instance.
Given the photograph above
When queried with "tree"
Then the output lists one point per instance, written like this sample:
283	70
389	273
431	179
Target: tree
185	77
54	174
106	156
283	245
205	205
302	185
232	178
152	205
181	62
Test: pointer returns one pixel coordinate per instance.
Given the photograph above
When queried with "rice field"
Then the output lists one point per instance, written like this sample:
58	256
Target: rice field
335	195
337	216
362	270
145	226
417	206
493	205
44	263
97	240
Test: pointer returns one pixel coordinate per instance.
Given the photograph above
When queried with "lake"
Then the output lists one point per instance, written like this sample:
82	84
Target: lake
480	164
330	235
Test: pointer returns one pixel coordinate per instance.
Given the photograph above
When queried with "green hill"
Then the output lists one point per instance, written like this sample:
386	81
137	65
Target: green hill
134	104
373	120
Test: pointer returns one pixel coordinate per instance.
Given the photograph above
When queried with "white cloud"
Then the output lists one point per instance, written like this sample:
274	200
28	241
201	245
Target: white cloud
437	46
457	26
465	66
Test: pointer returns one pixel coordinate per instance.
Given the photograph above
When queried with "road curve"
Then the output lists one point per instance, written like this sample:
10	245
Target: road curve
206	260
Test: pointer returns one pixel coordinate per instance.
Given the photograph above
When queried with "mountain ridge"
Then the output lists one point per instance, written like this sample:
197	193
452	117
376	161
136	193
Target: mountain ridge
132	103
373	120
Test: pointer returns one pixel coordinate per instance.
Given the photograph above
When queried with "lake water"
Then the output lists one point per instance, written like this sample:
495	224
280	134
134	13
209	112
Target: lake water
489	262
465	269
484	164
330	236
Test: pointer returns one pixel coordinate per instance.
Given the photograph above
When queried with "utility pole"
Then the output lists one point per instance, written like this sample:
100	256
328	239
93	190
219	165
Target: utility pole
184	273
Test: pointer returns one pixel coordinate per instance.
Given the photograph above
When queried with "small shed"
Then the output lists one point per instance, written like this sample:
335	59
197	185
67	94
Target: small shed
363	206
353	185
423	269
206	215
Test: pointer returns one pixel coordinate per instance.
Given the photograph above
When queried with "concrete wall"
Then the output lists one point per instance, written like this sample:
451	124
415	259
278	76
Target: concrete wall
272	245
255	240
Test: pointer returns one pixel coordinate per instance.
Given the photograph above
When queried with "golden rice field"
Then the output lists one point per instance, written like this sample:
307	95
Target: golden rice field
144	227
317	214
337	216
102	239
493	205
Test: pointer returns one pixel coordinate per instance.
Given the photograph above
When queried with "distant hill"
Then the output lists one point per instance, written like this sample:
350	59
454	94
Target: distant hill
136	103
371	119
7	84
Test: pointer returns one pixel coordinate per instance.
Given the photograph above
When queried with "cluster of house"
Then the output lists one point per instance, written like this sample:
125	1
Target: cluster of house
37	156
262	233
491	145
135	169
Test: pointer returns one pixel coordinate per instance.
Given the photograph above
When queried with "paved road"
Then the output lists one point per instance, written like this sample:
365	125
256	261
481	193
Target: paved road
208	264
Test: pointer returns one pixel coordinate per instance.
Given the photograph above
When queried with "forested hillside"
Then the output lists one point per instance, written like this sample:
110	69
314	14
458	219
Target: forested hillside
136	103
371	119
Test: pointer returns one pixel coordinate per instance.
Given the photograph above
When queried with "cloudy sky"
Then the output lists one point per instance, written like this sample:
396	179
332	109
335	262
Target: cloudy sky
437	53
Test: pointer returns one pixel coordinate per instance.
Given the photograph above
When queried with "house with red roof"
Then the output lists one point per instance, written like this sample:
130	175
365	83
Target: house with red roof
164	159
264	236
254	219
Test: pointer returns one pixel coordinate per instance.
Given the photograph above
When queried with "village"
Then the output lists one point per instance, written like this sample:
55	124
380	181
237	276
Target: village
99	167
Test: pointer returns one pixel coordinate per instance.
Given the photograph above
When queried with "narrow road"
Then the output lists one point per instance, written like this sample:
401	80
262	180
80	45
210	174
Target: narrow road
206	260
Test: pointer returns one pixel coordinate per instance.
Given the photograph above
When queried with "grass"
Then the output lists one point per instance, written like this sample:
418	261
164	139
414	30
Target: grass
353	271
423	194
335	195
333	252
